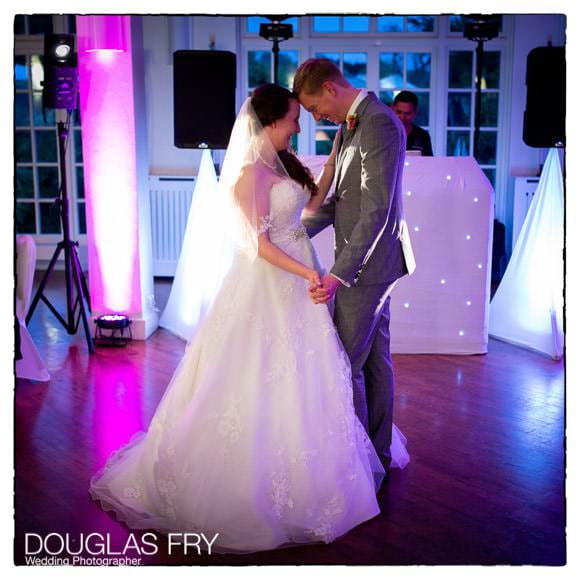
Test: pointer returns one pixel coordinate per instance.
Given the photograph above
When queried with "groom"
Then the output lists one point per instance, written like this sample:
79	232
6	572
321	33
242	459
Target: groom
372	246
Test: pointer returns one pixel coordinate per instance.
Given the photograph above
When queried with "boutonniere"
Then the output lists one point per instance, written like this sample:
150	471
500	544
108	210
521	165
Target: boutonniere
352	122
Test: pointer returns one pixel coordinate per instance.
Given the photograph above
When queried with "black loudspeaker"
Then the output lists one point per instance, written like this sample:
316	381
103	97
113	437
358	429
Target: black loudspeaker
545	114
204	98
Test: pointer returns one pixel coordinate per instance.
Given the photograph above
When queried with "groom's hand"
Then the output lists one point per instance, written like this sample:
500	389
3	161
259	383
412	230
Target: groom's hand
326	292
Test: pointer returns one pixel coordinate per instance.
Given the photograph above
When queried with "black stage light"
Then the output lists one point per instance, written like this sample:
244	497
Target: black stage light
276	32
115	324
481	27
60	88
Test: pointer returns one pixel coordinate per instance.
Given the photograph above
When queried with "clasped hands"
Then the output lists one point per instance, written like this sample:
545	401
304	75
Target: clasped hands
323	289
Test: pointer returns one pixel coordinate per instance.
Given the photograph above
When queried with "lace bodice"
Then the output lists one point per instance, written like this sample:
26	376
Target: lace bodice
287	200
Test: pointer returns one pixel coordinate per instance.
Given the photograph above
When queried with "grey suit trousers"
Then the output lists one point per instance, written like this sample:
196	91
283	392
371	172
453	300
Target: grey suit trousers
362	316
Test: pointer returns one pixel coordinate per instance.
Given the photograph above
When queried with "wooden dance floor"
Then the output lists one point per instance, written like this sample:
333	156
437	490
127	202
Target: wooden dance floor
486	436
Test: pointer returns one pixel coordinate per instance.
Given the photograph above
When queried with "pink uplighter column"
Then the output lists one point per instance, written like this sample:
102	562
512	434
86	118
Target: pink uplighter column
110	167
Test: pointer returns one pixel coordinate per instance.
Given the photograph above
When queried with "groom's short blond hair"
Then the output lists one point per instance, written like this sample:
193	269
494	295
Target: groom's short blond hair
313	73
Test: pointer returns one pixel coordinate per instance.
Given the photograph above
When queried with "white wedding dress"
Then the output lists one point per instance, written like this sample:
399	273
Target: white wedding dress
255	438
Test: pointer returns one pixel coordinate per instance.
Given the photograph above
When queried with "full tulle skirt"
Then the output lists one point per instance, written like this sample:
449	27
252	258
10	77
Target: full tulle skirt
255	438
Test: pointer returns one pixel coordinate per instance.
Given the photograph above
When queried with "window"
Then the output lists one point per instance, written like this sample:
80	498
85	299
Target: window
406	24
260	70
461	108
36	151
347	24
406	70
36	156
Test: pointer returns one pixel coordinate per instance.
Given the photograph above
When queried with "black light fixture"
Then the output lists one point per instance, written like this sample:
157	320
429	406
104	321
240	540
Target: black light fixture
480	28
60	88
276	32
110	330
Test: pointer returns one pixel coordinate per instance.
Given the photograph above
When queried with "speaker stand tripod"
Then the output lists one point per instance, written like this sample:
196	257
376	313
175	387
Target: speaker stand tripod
74	276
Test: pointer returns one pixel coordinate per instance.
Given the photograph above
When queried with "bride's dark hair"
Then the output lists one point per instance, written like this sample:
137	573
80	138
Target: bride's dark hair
271	102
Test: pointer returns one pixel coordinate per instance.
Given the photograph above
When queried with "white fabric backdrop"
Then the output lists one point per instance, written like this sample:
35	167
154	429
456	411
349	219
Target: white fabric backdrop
528	306
444	306
31	365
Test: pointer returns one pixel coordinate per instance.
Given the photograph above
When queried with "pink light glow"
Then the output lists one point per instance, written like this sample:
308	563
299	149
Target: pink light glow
107	113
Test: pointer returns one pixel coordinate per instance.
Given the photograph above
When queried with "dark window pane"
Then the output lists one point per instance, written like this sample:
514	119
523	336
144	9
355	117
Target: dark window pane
355	23
45	146
489	109
38	113
487	148
258	67
456	23
324	140
457	143
19	25
490	174
23	148
49	218
420	23
391	70
287	65
459	110
77	117
25	218
72	23
391	23
387	97
82	218
490	73
78	146
40	24
327	24
20	72
419	70
253	24
24	182
80	183
21	112
354	66
422	118
333	56
48	181
460	69
294	142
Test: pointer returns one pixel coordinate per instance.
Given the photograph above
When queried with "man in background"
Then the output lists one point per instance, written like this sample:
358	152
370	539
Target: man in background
406	106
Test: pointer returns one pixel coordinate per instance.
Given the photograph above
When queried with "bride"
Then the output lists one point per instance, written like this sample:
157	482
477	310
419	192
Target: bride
255	438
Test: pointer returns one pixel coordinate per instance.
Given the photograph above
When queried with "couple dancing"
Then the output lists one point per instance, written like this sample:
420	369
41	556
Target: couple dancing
276	428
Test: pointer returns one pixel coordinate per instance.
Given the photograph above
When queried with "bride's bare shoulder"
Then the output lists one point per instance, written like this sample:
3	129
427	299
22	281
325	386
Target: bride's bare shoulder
257	173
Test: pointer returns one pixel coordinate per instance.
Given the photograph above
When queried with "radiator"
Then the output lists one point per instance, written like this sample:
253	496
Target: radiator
170	198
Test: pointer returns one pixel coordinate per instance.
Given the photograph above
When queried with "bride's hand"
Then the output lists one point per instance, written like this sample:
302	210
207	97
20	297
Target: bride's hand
313	278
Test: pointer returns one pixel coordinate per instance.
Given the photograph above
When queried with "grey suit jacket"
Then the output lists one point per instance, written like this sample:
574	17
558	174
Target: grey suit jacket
371	239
